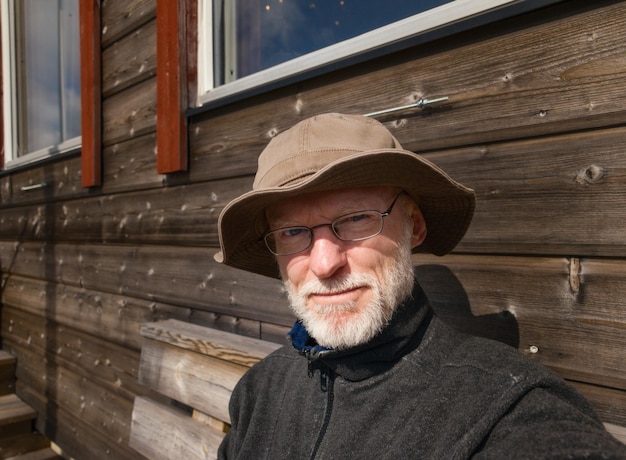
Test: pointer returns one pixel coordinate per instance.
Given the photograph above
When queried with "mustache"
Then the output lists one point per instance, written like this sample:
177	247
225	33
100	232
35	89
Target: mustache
336	284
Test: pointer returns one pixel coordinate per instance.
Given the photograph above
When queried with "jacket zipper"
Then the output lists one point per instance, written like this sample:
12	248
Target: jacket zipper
327	383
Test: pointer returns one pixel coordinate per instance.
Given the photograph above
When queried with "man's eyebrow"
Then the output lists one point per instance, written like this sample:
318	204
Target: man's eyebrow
281	221
345	207
355	206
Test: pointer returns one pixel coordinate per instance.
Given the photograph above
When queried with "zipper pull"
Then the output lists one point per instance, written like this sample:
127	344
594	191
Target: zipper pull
310	367
323	381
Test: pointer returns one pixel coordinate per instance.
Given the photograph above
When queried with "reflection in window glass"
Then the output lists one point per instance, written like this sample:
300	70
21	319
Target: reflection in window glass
253	35
48	74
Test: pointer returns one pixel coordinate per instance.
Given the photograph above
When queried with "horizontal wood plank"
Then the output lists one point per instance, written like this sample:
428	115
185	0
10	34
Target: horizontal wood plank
561	195
158	274
14	410
111	317
125	64
162	433
129	114
127	165
57	180
194	365
185	214
131	165
197	380
233	348
121	18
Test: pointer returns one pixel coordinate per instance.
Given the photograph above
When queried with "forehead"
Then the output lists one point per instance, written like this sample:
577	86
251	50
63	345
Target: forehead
330	204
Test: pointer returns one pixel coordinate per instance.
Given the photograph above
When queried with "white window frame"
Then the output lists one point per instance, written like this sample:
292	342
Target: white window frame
9	101
455	16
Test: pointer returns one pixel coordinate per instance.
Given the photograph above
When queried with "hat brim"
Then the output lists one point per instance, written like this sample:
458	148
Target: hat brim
447	206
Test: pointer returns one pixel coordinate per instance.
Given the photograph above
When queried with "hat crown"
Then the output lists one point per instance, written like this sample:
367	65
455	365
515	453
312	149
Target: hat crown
312	144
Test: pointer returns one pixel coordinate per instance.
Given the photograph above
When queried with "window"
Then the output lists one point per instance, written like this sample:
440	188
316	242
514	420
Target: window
262	34
41	78
249	44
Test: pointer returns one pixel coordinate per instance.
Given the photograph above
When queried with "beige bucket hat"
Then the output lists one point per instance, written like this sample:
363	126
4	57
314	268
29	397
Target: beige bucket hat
334	151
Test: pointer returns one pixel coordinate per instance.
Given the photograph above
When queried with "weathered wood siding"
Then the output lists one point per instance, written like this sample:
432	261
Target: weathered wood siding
536	123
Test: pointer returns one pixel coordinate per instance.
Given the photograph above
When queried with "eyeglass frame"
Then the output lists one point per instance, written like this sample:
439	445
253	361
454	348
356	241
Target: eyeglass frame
382	214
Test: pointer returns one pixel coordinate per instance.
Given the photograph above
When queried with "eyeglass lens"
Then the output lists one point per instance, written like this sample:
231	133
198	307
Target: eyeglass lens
351	227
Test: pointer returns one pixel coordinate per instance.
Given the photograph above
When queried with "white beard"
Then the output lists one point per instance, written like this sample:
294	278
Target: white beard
395	286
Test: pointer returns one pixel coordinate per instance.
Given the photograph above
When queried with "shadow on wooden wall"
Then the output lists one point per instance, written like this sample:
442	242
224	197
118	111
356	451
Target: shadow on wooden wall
451	303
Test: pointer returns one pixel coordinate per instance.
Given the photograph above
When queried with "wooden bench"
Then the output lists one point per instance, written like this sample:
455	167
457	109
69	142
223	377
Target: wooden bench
195	368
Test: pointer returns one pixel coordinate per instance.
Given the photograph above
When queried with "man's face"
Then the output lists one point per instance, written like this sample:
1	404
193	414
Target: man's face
346	292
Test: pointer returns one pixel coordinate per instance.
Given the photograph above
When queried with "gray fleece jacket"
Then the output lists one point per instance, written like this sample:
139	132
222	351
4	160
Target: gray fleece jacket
419	390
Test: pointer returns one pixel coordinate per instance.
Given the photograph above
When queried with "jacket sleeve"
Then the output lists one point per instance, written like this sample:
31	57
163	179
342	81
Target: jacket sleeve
549	422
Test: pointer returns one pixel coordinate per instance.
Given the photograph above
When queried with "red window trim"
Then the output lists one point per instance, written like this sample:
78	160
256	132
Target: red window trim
175	49
90	93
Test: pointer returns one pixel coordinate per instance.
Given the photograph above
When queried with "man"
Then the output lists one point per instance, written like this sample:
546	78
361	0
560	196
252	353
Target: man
336	210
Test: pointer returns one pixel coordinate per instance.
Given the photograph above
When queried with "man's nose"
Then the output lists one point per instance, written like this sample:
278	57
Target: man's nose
327	253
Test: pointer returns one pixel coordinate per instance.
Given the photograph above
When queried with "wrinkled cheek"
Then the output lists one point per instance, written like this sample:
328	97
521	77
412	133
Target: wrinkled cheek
292	268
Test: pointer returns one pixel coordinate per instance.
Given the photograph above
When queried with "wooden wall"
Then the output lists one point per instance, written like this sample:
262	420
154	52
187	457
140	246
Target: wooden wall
536	123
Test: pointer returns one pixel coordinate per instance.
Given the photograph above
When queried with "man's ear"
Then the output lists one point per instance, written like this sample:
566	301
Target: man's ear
419	226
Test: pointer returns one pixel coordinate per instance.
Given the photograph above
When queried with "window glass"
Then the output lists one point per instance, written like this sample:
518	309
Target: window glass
254	35
44	72
49	78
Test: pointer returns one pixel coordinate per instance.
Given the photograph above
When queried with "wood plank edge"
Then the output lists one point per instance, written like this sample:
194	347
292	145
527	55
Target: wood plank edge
618	432
207	340
14	410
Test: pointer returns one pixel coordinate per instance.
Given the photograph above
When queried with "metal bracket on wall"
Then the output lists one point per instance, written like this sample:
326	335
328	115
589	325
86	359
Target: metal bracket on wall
420	104
29	188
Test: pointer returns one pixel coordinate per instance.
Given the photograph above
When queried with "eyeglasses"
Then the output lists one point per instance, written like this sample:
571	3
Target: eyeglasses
356	226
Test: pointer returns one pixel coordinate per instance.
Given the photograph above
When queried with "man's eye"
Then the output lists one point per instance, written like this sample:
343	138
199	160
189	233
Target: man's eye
292	232
357	217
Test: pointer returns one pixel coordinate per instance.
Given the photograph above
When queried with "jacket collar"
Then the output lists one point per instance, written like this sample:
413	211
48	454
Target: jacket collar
402	335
